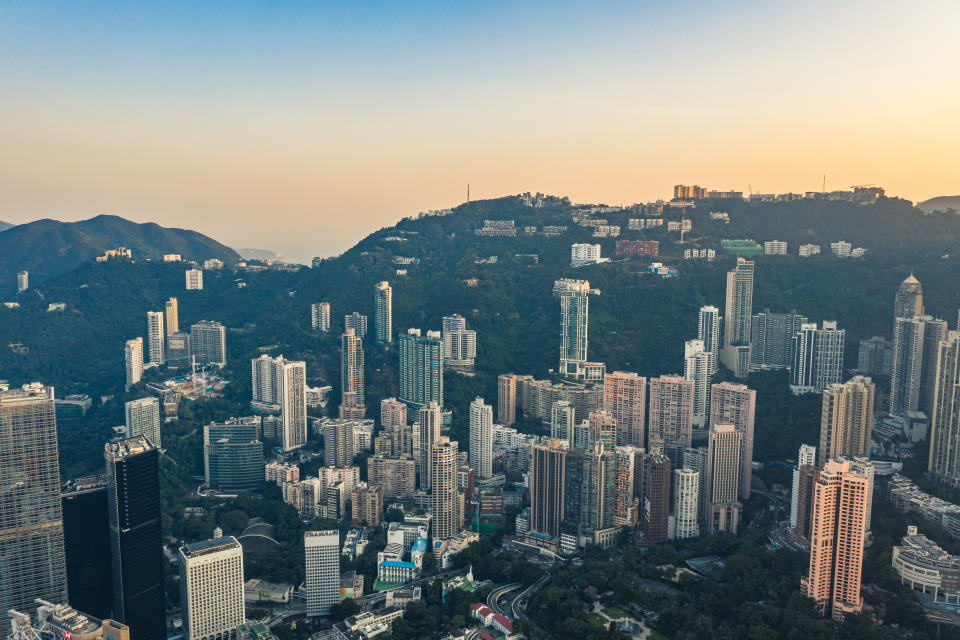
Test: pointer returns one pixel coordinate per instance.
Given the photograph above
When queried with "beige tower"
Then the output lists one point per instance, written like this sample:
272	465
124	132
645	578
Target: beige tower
351	376
838	525
846	420
736	404
444	498
625	397
671	417
722	511
507	399
945	421
429	422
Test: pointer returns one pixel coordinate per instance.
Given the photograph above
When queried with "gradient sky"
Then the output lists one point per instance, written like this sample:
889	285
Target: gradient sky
301	127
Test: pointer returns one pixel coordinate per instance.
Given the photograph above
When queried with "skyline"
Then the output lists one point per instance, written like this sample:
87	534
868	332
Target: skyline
262	125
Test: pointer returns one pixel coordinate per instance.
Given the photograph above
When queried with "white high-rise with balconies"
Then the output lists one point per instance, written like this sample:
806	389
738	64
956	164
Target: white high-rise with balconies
696	368
143	419
574	314
737	319
686	495
459	344
481	438
156	337
281	385
383	319
211	588
320	316
806	457
322	583
194	279
708	331
133	359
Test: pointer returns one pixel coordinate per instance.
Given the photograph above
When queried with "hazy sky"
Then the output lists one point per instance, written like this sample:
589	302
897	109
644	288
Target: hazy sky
302	127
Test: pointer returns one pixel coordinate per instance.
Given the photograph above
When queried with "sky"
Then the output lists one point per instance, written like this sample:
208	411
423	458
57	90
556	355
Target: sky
303	126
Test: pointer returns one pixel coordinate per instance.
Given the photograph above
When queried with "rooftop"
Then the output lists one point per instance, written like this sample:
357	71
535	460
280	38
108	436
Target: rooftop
197	549
129	447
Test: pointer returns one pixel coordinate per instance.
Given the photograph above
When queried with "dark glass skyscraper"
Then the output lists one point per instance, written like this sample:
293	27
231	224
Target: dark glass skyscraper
136	544
232	457
86	534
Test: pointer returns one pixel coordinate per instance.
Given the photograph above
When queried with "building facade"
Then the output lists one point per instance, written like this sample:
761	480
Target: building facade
383	317
846	419
322	564
211	589
143	419
671	417
738	314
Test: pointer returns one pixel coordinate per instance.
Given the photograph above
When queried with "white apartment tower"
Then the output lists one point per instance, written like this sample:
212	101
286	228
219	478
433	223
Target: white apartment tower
481	438
281	385
737	319
444	493
211	588
133	358
708	331
156	337
574	314
686	494
806	457
194	279
696	368
322	551
320	316
383	304
459	344
427	434
23	281
143	419
563	422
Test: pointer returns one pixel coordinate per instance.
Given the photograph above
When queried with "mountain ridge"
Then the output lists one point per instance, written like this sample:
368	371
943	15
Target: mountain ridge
48	248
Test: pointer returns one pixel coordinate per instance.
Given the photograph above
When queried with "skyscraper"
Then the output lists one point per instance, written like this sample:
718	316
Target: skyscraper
133	359
155	337
86	542
722	511
696	369
548	468
280	384
352	403
232	457
208	343
708	331
696	458
357	322
172	316
320	316
481	438
771	335
807	457
506	399
656	499
934	331
143	419
625	397
816	357
686	493
563	422
590	488
444	495
31	522
736	404
211	588
671	417
945	421
907	365
601	427
322	551
738	314
909	299
875	357
393	420
338	443
459	344
421	368
846	419
838	525
629	463
429	422
383	303
133	481
574	321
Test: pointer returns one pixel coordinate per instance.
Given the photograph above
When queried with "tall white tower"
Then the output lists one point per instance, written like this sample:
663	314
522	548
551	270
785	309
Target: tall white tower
686	496
696	368
155	337
322	551
133	358
481	438
708	331
211	588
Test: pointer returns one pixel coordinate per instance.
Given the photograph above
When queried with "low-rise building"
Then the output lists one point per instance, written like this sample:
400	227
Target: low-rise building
807	250
256	590
926	567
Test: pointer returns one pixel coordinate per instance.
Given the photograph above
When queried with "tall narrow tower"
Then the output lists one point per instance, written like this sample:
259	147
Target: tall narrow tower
481	438
738	315
352	403
574	315
383	303
31	522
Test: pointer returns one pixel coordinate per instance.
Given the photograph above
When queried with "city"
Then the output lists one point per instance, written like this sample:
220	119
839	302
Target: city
471	322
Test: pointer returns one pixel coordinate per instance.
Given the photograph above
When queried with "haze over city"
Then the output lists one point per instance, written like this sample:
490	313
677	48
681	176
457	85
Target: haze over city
301	129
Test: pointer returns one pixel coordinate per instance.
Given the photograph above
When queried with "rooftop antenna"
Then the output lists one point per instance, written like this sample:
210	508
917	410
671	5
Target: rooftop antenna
824	190
468	193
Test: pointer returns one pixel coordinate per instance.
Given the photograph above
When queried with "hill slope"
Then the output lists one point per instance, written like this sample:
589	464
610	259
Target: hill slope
5	225
940	203
50	248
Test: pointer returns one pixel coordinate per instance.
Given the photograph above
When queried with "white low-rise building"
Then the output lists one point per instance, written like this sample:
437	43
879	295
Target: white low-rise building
927	568
582	254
